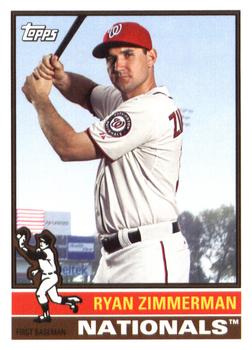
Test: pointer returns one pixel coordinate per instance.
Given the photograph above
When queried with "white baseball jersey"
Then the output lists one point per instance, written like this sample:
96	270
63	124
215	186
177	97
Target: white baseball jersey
47	265
142	138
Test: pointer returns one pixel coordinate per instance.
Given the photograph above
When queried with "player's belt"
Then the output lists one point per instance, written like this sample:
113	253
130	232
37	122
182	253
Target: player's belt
118	240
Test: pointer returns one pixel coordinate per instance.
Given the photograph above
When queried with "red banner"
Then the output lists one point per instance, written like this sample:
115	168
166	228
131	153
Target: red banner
136	303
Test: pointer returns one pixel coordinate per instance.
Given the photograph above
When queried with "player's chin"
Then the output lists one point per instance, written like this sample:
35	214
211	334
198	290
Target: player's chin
122	83
124	87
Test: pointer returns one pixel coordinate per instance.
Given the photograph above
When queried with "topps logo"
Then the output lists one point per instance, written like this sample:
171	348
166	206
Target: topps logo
38	32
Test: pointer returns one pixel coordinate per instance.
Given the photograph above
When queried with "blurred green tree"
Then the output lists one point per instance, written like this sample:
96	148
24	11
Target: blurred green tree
211	238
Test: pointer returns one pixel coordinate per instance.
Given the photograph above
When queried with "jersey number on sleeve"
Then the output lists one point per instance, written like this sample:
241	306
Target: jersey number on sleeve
178	122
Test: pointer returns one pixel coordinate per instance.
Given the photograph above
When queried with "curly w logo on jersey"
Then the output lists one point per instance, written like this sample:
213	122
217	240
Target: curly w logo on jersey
118	125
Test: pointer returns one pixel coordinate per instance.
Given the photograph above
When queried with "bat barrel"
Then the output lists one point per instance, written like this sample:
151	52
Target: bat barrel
73	29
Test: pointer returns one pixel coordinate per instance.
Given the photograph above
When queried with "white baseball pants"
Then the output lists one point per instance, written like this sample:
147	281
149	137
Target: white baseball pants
151	261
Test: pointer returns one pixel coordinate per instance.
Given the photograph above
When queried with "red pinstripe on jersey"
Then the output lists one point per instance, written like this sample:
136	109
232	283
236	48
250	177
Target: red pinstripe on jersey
164	261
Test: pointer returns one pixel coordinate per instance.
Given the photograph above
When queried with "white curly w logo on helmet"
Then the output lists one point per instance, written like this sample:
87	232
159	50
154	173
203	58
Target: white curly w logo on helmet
115	30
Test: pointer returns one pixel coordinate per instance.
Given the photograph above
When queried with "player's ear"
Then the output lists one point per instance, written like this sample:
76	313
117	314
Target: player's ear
152	57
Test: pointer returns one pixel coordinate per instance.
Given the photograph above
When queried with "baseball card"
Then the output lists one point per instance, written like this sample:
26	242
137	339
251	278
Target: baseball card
126	219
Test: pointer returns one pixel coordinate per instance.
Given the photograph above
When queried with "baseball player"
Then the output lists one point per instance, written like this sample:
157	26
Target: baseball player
138	138
45	258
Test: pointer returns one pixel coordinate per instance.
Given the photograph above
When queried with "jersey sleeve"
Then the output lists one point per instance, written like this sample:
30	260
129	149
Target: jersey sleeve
133	124
104	99
35	255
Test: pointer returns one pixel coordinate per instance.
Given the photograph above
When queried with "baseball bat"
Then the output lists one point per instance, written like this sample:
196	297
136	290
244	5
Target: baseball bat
68	37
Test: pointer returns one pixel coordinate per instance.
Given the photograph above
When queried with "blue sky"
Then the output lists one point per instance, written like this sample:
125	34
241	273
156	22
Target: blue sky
196	61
